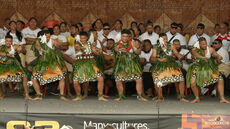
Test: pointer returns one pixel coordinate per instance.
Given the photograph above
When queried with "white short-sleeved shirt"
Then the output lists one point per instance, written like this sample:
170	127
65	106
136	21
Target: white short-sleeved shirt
101	38
113	35
72	53
59	38
224	54
2	34
194	38
16	40
28	33
189	56
65	33
225	42
153	37
178	36
147	58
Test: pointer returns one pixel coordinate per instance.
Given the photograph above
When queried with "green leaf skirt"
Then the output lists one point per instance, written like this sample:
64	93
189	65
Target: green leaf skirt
127	67
205	73
10	72
85	70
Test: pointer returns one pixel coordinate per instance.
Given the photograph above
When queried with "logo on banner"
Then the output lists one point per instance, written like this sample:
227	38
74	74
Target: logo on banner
122	125
194	121
48	124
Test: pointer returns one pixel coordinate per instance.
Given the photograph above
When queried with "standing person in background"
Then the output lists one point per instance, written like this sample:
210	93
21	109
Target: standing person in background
157	29
117	30
6	26
80	26
217	28
64	29
20	25
98	26
142	28
150	34
104	37
173	34
74	30
199	33
224	36
30	34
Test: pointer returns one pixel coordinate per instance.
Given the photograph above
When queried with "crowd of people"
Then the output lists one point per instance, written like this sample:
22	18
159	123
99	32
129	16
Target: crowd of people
114	57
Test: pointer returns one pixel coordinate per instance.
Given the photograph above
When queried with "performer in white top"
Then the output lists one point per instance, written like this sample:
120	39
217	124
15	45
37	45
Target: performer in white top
199	33
150	34
172	34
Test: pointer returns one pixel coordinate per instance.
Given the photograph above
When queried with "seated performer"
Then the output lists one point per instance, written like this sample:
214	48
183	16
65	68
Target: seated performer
165	68
49	66
127	65
85	67
11	69
204	71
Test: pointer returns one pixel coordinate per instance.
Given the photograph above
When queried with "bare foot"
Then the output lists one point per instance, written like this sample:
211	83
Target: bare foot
142	99
77	99
154	98
118	99
223	100
63	98
102	99
27	97
37	98
195	101
184	100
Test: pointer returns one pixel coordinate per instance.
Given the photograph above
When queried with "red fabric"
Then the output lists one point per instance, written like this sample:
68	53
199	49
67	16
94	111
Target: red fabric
130	46
50	23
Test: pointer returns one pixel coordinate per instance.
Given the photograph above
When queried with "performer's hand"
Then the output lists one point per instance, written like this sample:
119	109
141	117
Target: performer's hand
10	55
142	60
205	58
109	52
162	59
122	50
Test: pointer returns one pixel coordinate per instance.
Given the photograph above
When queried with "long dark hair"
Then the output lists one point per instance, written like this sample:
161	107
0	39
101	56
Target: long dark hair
18	33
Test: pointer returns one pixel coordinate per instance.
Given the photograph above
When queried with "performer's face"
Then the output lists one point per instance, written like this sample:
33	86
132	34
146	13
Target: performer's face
223	28
83	38
33	24
8	42
203	45
165	38
177	45
110	44
150	29
124	37
77	47
48	37
200	31
13	26
147	46
56	30
173	29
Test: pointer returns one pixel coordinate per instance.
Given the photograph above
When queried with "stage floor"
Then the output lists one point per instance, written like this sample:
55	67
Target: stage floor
51	104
